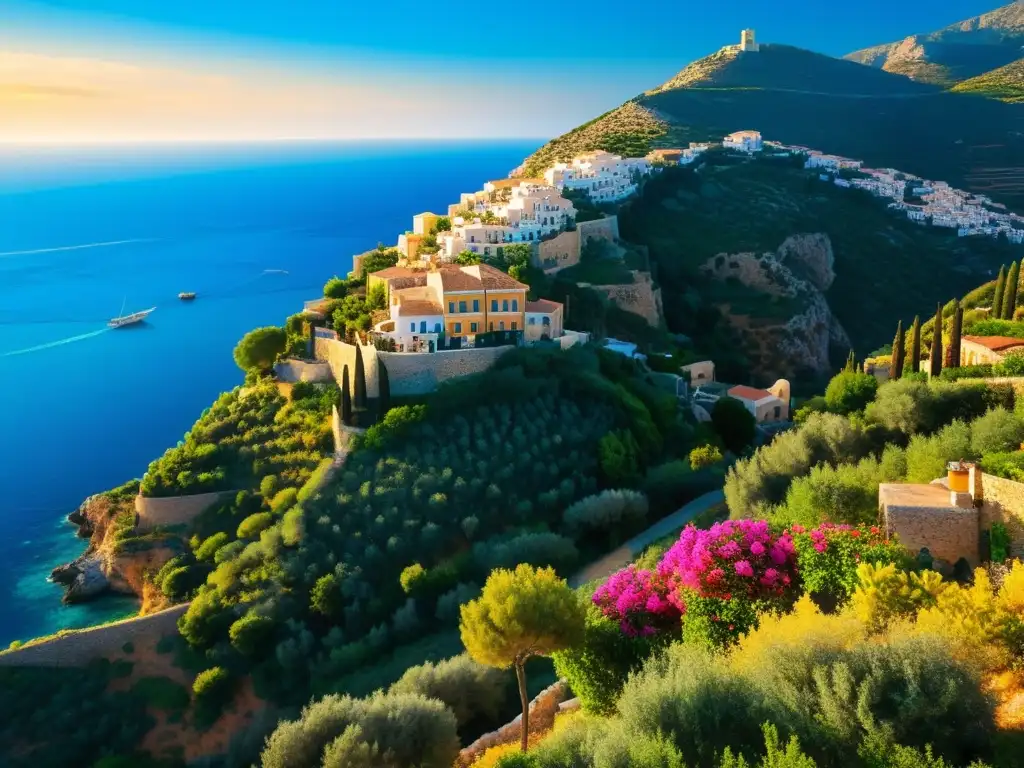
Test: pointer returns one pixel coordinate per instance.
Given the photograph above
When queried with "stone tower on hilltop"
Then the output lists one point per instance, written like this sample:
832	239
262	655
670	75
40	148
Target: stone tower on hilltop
747	41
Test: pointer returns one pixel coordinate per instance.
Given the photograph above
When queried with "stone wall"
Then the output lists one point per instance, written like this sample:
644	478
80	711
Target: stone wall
948	532
173	510
599	229
338	354
542	716
559	252
639	297
291	371
570	339
78	647
416	373
1003	502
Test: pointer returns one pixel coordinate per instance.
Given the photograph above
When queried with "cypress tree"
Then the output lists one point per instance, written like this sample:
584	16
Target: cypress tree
346	399
384	401
898	353
997	295
311	351
359	384
936	357
915	345
1010	292
954	335
851	363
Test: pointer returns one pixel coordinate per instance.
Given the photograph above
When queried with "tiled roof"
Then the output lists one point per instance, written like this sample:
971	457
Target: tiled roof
996	343
477	277
750	393
459	279
392	272
494	279
409	307
507	183
543	306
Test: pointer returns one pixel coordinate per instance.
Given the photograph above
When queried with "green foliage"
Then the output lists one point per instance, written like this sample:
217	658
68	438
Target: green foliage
597	667
846	493
209	547
1014	329
1009	304
849	392
467	258
251	634
619	457
966	372
608	510
733	423
254	524
927	456
412	577
999	542
385	730
336	288
1012	364
260	348
996	431
378	259
1009	465
469	689
162	693
704	456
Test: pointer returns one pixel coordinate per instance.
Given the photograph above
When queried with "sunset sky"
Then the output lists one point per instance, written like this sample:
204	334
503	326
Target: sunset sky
157	70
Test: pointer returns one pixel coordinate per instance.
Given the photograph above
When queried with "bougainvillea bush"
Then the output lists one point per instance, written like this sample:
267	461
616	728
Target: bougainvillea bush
639	600
828	556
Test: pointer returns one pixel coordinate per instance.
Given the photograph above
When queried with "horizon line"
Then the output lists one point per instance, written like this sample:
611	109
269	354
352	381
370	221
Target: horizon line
257	140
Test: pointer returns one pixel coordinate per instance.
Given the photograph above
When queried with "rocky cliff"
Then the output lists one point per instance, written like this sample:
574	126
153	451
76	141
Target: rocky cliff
112	562
796	339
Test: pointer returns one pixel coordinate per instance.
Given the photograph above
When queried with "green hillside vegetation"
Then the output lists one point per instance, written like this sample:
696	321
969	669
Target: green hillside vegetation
687	216
1005	83
799	97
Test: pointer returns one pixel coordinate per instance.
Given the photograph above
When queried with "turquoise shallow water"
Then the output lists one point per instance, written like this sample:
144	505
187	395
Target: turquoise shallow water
83	231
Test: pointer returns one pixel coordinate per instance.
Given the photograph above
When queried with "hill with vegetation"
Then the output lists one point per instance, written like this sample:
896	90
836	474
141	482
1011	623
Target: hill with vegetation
799	97
956	53
1005	83
790	264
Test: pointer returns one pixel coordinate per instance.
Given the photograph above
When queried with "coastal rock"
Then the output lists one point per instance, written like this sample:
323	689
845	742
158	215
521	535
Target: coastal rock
84	578
795	277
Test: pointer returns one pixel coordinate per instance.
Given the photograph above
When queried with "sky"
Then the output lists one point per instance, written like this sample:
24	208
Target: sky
200	70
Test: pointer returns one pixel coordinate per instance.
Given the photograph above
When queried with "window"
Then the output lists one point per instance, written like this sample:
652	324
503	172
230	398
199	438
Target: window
547	321
501	326
423	326
476	305
492	326
462	306
458	327
778	411
494	305
472	327
513	325
515	305
487	251
412	327
451	307
504	305
437	327
533	321
472	238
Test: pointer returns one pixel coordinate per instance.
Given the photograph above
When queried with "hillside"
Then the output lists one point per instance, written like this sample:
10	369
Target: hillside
1005	83
796	267
955	53
800	97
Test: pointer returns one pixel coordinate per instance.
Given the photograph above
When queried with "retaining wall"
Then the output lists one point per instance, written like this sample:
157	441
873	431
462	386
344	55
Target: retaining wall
338	354
948	532
291	371
559	252
151	512
1003	502
75	648
639	297
417	373
600	229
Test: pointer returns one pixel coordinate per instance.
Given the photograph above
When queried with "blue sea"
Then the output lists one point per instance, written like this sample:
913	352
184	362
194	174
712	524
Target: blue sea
254	230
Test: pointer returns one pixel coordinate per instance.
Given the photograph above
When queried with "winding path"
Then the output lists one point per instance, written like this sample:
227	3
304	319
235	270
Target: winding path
628	552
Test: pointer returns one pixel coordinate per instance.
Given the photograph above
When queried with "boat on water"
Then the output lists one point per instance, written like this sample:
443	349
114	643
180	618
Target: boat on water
186	295
123	320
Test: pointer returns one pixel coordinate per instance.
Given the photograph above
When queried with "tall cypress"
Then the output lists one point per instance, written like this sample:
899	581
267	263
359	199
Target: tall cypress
915	345
851	363
1010	292
311	344
954	334
936	357
898	353
359	384
384	399
346	398
997	295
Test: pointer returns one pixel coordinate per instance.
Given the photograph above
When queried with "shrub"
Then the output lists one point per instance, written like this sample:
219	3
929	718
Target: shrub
467	688
619	457
412	730
966	372
670	485
733	423
335	288
212	684
597	668
828	556
269	485
260	348
689	696
704	456
885	593
997	431
537	549
251	634
927	456
609	509
283	500
847	493
253	525
449	603
849	392
209	547
902	406
638	601
411	578
1012	364
1008	465
162	693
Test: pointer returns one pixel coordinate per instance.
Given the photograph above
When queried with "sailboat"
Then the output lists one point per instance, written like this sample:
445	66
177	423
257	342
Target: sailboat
123	320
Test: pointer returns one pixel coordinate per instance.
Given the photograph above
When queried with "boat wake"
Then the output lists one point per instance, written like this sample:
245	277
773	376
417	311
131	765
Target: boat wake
76	247
50	345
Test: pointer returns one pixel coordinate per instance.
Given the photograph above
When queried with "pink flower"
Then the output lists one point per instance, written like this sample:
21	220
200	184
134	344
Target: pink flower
757	548
819	546
770	577
730	550
744	568
777	555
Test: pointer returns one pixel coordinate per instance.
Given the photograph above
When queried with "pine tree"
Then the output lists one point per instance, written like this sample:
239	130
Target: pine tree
1010	292
955	332
997	295
898	353
346	399
936	357
915	345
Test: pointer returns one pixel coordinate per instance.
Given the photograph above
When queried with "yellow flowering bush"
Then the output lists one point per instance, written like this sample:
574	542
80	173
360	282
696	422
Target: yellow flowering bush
886	593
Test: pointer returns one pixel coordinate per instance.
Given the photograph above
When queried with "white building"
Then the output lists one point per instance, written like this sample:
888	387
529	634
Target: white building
606	178
748	43
744	141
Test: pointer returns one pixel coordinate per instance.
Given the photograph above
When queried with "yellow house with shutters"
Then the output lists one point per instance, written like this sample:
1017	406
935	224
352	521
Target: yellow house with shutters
462	300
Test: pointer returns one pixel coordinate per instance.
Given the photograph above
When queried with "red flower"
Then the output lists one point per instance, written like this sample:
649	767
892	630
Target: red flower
874	529
731	627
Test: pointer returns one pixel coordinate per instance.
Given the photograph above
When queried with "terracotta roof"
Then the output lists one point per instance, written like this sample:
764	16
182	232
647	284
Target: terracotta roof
508	183
494	279
996	343
409	307
459	279
543	306
393	272
750	393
